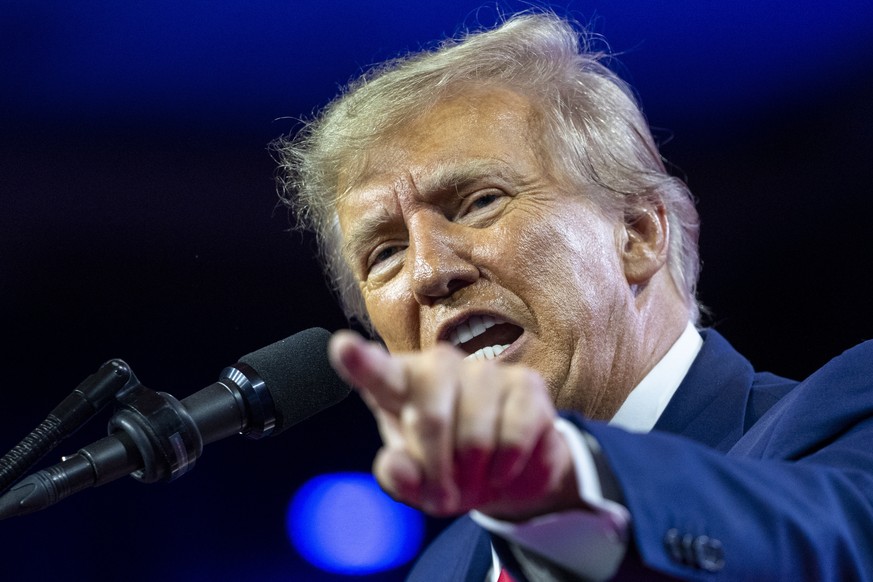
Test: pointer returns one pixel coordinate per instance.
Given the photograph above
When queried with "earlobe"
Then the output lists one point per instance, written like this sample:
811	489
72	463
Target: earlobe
646	238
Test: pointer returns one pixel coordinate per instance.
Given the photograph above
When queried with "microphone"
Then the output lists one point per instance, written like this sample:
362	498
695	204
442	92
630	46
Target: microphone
155	437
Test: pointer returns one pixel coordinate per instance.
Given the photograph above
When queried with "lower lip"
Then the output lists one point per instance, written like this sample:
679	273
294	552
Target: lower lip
511	353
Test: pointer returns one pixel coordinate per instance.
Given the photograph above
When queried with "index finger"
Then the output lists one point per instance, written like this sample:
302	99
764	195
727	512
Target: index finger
379	378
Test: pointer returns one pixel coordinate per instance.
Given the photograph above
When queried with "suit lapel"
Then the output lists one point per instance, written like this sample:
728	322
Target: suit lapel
461	553
710	404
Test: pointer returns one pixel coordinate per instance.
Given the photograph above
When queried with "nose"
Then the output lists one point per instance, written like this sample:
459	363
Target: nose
441	259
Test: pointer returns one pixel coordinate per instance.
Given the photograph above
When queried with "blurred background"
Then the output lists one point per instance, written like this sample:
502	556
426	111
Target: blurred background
139	220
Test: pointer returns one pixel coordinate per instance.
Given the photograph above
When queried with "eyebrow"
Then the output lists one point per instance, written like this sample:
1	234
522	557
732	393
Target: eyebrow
446	177
366	230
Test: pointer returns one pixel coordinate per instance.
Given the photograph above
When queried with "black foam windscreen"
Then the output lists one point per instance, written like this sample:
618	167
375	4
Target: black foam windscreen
298	375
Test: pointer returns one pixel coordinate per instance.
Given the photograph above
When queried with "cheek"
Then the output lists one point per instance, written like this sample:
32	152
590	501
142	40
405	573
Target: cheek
564	264
545	254
394	316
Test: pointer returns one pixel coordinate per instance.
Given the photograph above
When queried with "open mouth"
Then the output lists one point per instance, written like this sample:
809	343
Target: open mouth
484	337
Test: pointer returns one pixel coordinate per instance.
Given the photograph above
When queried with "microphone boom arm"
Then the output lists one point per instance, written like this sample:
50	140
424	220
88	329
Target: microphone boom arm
76	409
153	437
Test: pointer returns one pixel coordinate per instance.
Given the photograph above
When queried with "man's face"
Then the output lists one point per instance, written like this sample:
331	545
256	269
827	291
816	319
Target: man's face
456	233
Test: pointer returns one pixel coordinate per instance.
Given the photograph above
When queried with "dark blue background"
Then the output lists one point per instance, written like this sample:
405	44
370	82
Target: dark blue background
139	220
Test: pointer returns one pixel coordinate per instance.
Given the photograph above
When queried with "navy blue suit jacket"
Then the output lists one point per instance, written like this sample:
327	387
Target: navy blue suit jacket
746	476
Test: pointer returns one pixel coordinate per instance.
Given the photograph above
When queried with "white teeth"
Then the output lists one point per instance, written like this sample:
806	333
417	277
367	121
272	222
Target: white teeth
488	352
471	328
474	327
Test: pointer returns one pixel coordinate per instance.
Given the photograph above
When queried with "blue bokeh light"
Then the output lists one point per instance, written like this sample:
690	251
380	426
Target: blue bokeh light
344	523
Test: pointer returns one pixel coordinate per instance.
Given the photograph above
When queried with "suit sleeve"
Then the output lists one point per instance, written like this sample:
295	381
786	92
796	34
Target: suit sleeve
791	500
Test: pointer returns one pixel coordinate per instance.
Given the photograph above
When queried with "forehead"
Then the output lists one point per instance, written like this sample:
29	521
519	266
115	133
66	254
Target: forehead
473	134
482	117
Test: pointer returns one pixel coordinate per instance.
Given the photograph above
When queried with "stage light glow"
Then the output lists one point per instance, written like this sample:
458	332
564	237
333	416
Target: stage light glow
344	523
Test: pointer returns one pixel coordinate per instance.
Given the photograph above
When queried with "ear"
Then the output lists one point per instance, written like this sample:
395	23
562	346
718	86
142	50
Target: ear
646	240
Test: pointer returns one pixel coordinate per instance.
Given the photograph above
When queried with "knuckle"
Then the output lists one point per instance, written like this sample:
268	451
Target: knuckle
476	446
444	351
474	438
518	435
428	422
427	366
531	379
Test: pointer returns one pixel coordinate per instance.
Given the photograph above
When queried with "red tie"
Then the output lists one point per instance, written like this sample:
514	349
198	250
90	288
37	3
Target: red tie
504	576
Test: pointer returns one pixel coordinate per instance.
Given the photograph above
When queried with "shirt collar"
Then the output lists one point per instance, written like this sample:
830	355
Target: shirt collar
644	405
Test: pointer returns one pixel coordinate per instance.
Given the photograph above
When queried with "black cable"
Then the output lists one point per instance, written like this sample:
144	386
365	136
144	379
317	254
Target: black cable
75	410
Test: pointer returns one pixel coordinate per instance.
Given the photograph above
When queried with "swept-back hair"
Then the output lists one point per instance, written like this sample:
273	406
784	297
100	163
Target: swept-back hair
592	130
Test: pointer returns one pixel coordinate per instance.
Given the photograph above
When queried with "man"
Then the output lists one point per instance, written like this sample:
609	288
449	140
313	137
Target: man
497	213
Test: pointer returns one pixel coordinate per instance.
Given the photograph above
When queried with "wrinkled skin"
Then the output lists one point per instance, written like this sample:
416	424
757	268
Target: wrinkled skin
459	217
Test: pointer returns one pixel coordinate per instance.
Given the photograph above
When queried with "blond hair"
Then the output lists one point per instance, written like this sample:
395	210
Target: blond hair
592	127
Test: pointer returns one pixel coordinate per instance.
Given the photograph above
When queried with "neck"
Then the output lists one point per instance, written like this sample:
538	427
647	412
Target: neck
657	317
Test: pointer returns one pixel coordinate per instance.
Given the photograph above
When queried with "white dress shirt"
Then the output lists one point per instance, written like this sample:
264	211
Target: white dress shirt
593	542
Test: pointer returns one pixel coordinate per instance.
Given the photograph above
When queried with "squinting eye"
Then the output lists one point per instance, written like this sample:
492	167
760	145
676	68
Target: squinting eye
480	201
383	255
483	201
382	258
